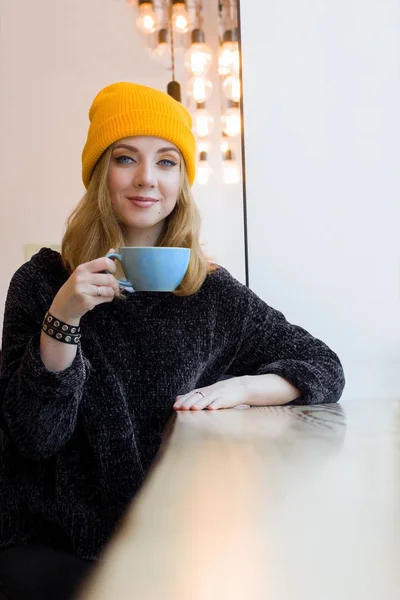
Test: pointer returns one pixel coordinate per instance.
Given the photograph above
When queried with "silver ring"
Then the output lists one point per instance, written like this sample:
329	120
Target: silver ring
99	292
201	394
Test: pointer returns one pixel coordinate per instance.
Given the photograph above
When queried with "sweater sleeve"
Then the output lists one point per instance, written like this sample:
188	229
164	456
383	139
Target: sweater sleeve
38	408
268	343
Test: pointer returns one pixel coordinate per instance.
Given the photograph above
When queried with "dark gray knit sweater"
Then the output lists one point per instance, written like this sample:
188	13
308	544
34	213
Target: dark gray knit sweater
78	443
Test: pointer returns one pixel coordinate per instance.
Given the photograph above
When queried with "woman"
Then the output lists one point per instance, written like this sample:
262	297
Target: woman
83	415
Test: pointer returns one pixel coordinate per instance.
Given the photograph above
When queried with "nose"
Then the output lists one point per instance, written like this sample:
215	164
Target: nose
144	176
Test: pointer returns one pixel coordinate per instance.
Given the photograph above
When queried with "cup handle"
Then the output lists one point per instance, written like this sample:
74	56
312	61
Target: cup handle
116	256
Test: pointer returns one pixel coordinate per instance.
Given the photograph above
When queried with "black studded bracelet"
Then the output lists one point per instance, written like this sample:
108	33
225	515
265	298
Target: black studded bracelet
68	334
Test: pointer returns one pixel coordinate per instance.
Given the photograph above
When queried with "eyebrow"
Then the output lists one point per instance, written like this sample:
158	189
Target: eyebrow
160	151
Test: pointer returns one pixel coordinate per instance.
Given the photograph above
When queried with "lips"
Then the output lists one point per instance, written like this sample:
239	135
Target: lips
142	201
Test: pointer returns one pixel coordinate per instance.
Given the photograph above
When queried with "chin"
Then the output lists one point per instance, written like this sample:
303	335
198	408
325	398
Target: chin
140	223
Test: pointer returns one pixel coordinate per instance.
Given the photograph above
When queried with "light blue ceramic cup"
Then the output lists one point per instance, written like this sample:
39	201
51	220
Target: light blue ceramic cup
152	269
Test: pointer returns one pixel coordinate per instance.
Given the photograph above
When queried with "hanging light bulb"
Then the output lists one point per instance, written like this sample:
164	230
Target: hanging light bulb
146	21
224	61
161	51
203	122
180	16
224	143
199	88
231	169
231	87
231	121
228	54
203	146
203	169
198	58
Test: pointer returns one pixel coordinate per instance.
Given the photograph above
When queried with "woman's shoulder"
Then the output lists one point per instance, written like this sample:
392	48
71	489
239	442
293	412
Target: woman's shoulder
45	265
221	283
233	294
220	277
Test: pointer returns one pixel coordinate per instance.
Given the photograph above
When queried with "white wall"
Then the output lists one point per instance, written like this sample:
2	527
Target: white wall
55	56
322	130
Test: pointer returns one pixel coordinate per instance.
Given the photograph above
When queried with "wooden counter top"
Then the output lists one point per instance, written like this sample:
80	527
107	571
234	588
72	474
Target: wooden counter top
281	503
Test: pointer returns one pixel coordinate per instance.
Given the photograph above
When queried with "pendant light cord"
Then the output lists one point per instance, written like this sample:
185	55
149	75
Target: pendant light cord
171	39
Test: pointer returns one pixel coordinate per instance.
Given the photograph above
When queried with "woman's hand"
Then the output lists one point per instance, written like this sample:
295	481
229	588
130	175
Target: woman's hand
223	394
254	390
87	287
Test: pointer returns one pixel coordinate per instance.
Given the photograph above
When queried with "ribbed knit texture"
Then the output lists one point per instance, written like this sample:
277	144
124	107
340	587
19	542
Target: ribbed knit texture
128	109
78	443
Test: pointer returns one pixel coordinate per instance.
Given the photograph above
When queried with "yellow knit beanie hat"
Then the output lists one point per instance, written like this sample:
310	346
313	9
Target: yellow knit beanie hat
127	109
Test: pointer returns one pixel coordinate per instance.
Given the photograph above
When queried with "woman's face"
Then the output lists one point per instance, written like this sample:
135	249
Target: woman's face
144	180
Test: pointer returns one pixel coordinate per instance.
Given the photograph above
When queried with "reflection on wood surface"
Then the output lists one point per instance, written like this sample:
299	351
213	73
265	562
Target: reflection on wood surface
287	503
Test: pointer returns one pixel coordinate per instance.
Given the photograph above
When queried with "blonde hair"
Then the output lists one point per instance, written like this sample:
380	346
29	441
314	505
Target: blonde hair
93	228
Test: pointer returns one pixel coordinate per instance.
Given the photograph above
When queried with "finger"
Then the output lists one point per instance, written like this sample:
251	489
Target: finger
98	265
105	280
216	405
102	279
102	292
183	400
202	403
188	402
179	401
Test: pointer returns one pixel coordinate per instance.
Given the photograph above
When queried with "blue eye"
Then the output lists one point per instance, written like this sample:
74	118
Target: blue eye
123	160
169	163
